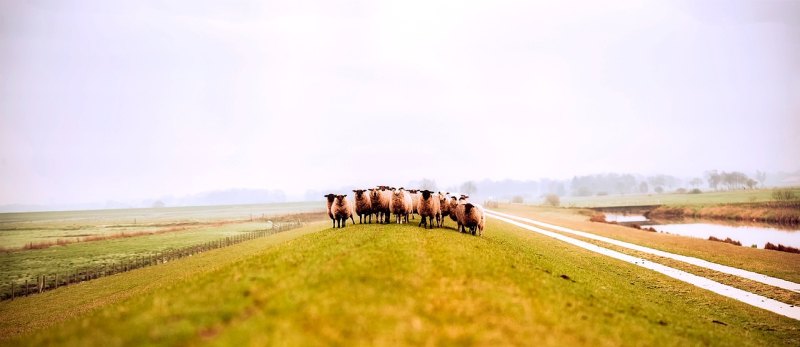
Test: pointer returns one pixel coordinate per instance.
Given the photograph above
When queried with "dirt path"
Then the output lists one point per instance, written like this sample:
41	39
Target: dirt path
702	282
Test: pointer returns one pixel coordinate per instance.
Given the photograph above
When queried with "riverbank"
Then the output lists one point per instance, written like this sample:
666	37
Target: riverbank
765	212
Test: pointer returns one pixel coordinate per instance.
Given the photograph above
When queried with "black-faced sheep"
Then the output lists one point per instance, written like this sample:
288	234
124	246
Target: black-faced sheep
471	218
342	210
444	206
375	198
453	205
429	209
385	200
330	198
363	205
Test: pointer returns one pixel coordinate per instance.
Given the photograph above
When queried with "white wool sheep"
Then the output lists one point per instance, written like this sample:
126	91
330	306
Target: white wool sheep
330	198
471	218
401	205
363	205
342	210
429	209
415	194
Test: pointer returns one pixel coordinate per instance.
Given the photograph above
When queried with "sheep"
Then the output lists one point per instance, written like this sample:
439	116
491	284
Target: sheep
471	218
385	200
375	197
444	205
401	205
453	204
414	201
363	206
341	210
330	198
430	209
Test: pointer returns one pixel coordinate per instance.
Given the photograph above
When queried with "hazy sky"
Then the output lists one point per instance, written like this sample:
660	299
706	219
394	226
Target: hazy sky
124	100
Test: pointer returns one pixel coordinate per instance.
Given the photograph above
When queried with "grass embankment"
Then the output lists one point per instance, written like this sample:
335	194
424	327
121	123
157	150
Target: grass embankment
91	242
399	284
767	212
49	308
776	264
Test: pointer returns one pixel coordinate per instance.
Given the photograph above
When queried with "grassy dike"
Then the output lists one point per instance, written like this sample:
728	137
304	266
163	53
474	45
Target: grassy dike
396	284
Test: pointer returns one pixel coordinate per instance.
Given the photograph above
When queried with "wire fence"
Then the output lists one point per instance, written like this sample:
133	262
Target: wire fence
50	281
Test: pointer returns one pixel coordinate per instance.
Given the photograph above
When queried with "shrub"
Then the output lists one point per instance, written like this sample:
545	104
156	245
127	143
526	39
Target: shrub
552	200
491	204
783	195
659	190
681	190
695	191
517	199
599	217
602	193
726	240
781	248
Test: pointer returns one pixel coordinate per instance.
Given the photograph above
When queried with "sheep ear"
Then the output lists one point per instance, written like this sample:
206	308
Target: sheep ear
344	196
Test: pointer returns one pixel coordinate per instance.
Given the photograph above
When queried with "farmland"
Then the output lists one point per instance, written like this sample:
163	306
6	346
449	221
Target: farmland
705	198
391	284
101	238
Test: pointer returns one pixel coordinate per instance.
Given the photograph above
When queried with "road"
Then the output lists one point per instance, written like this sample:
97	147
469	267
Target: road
702	282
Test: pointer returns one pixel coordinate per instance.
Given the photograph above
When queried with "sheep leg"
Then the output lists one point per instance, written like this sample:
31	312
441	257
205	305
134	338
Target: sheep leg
334	222
352	219
421	221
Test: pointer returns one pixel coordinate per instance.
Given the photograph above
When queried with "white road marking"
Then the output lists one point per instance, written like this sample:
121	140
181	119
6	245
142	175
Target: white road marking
702	282
775	282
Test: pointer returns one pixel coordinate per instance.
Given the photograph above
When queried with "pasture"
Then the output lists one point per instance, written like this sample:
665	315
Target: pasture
705	198
93	239
391	285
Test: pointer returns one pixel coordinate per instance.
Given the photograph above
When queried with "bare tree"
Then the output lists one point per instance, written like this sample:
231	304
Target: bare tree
468	188
714	179
761	177
552	200
696	182
428	184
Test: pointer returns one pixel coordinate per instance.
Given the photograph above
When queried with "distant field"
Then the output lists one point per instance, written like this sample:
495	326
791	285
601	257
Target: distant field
172	228
392	285
711	197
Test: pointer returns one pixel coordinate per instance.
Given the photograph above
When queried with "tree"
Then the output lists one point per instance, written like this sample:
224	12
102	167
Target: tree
552	200
428	184
713	177
643	188
468	188
158	204
761	177
659	190
696	182
751	183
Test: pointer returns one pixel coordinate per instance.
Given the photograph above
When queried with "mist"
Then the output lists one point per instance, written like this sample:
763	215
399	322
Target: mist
135	102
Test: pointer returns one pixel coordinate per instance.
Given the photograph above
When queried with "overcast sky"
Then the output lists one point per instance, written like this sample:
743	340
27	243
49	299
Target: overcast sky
124	100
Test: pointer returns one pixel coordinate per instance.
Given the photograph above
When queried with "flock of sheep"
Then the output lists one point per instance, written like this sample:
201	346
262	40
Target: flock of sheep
383	201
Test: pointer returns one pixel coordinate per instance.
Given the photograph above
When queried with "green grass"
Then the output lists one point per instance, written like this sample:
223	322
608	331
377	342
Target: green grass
395	285
26	264
18	229
705	198
179	227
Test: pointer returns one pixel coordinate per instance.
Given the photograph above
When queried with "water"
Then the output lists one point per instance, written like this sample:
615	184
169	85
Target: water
748	235
624	218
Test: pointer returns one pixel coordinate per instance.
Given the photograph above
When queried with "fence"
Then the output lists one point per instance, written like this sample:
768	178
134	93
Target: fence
45	282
